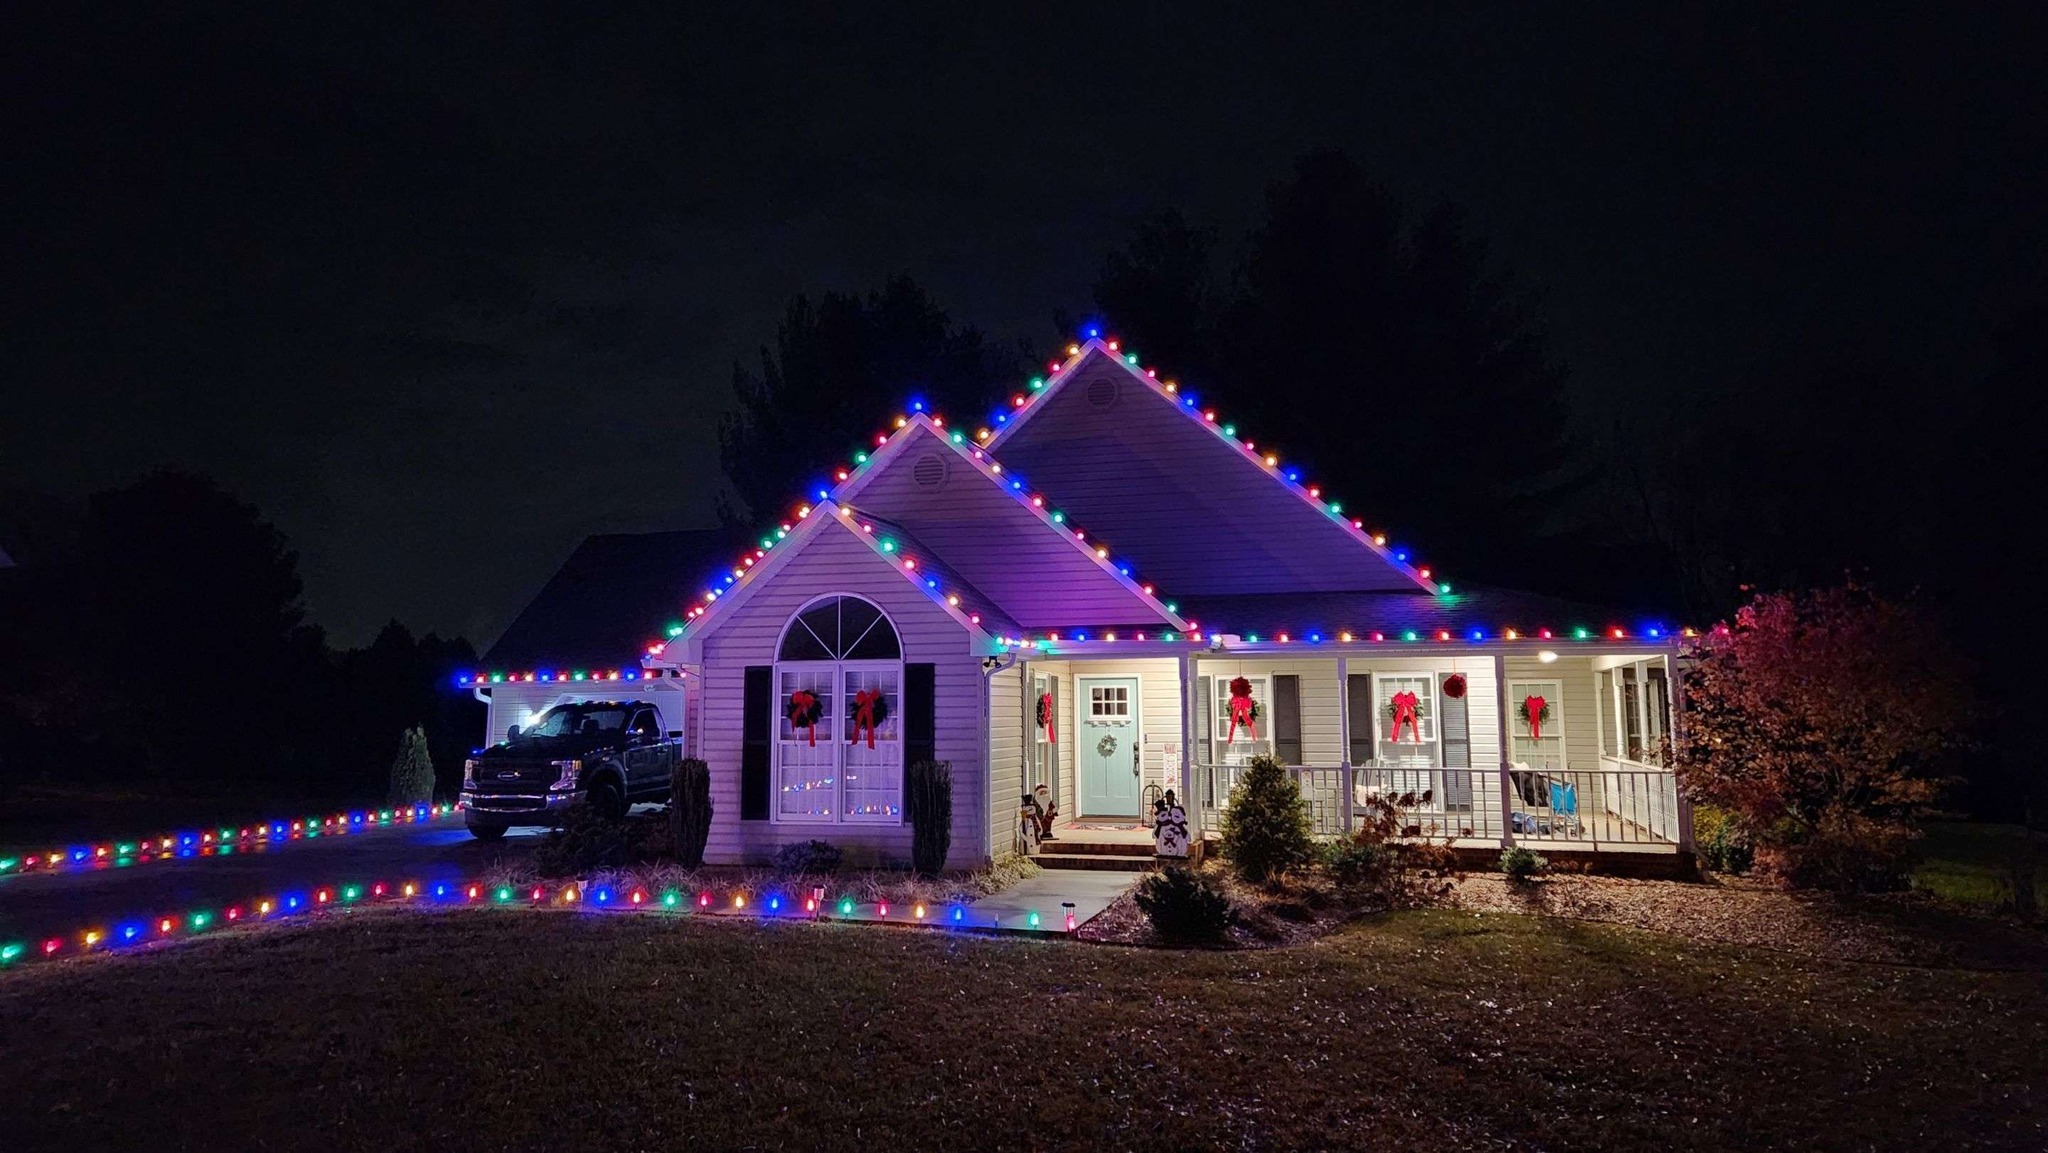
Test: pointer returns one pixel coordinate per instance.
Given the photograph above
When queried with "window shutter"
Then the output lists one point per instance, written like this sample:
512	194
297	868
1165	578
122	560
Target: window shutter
757	730
920	713
1364	720
1205	721
1453	726
1287	719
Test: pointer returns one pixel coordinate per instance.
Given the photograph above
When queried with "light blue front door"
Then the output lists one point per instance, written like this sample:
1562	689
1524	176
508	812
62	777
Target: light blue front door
1106	745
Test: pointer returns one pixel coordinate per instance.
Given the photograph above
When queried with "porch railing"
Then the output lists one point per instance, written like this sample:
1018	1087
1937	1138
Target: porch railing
1622	803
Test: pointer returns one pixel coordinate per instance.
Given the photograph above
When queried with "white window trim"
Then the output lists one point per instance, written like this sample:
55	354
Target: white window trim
1518	688
1219	718
833	722
1383	727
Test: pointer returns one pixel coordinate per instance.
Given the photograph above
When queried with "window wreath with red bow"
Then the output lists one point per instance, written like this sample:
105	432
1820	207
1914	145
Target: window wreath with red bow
1045	718
804	713
867	709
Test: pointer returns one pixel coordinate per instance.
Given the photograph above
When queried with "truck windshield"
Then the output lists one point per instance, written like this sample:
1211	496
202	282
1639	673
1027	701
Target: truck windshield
570	720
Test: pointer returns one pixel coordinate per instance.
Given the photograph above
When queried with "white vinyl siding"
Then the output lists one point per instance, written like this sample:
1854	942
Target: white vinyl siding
1008	719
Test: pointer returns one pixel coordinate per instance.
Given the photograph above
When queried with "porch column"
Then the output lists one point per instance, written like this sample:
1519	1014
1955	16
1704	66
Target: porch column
1506	783
1188	800
1344	786
1677	737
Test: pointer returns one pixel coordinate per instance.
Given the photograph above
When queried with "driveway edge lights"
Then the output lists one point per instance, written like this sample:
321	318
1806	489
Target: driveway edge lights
125	935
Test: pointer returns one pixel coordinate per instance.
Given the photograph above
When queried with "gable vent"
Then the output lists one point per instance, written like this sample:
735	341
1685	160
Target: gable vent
1102	392
930	470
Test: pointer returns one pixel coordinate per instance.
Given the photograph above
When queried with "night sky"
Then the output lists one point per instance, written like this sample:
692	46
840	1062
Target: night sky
443	296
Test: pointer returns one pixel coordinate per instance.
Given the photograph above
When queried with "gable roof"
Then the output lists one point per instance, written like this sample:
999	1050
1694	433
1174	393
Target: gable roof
904	555
613	592
1139	459
998	532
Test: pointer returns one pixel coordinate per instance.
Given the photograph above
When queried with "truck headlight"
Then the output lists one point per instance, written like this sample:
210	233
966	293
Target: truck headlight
568	771
469	774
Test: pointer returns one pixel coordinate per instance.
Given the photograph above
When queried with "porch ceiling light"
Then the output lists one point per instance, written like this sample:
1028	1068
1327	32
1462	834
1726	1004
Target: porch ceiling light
1546	656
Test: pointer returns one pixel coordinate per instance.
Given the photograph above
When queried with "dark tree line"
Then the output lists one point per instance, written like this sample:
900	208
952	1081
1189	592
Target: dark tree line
157	639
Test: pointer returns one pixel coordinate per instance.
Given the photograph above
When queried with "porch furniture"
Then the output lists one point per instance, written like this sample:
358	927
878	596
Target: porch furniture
1564	808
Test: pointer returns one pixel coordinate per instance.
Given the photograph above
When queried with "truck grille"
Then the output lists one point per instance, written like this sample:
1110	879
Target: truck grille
516	776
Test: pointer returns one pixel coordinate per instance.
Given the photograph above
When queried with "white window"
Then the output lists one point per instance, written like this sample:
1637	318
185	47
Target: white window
1238	747
1536	723
1044	746
1414	743
840	671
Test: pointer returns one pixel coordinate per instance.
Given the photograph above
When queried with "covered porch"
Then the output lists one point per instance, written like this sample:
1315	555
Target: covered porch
1558	748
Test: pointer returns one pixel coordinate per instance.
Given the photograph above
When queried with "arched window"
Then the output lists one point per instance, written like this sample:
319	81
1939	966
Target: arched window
840	628
839	727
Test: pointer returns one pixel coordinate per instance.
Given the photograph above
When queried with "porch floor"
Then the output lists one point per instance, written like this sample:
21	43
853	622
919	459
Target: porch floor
1105	831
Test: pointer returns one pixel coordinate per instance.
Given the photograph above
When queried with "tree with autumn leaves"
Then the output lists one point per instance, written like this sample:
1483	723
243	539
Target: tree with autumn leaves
1822	723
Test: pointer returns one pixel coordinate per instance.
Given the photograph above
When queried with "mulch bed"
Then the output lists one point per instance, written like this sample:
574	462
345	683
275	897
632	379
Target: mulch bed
1900	929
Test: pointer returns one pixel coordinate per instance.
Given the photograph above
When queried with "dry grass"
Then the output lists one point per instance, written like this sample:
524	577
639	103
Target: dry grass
1442	1029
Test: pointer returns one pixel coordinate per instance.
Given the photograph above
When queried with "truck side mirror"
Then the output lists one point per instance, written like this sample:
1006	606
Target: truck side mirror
511	732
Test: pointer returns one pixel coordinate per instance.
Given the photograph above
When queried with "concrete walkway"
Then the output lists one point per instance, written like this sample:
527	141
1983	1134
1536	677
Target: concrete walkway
1090	891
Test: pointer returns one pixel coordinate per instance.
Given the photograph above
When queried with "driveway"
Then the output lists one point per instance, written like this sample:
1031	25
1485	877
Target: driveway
39	905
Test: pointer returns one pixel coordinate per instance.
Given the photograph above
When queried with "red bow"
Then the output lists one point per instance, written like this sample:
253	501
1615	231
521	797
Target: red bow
864	703
803	703
1241	714
1534	706
1405	704
1046	718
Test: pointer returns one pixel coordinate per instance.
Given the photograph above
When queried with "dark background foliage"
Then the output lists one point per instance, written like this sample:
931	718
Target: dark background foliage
1638	305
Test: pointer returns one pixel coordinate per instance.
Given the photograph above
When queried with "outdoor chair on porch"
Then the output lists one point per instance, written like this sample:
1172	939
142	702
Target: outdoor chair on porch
1564	808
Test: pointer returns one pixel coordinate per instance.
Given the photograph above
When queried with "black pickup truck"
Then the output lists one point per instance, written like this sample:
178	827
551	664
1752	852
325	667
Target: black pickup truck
610	754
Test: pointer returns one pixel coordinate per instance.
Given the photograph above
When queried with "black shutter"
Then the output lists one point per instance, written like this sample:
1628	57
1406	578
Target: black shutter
756	731
1287	719
1205	721
920	713
1358	701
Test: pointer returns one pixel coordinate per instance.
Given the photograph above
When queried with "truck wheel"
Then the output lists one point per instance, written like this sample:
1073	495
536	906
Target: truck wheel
606	799
484	832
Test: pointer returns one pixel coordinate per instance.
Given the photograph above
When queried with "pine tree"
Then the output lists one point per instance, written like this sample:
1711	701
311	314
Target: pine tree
412	770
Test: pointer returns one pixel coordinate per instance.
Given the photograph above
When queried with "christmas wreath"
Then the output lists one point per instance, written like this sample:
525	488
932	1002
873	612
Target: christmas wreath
1045	718
804	712
1535	713
1243	709
1454	686
1404	708
867	709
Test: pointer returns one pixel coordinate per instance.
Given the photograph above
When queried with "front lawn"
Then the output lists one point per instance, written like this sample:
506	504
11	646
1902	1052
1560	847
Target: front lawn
516	1029
1968	862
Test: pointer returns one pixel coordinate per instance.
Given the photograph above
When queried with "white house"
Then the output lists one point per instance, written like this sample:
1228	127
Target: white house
1109	592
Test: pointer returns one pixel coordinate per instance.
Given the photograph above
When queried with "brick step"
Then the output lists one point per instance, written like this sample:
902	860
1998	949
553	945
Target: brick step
1101	861
1064	845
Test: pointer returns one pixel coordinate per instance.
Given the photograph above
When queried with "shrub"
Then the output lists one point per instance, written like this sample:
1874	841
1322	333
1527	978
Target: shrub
928	800
809	859
412	770
689	810
1521	863
1843	850
1266	829
1721	843
1370	865
586	841
1184	907
1820	721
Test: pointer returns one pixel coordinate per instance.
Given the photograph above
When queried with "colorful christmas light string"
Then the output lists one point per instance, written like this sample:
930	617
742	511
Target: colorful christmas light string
219	840
774	905
1186	402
